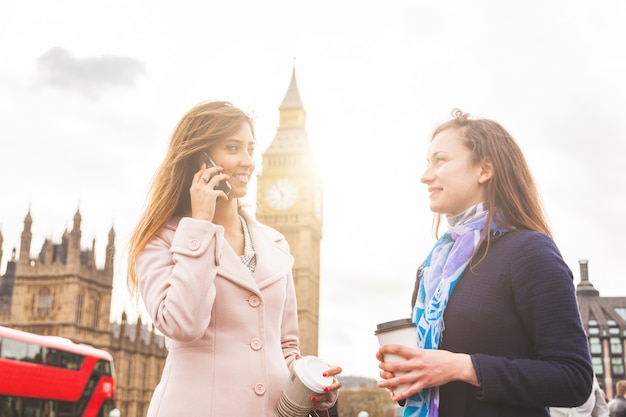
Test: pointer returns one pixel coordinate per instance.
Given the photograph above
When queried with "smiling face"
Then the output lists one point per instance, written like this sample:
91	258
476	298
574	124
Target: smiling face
455	182
236	155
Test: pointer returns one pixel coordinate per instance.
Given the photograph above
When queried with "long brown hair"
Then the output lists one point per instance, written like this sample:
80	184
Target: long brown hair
203	126
511	191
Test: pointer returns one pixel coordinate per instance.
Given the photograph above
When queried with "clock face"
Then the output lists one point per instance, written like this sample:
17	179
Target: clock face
282	193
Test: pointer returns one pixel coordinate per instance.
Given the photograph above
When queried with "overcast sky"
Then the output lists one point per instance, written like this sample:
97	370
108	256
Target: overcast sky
91	91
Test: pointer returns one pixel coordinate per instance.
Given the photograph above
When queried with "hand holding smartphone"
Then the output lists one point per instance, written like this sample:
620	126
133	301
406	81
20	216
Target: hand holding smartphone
223	185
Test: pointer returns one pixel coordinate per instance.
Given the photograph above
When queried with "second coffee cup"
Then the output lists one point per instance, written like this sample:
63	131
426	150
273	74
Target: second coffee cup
399	332
306	380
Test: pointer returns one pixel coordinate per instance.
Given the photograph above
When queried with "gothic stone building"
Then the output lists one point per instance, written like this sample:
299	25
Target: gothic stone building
604	319
61	292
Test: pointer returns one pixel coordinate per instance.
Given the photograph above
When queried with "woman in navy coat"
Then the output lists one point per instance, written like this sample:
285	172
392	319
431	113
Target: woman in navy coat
499	331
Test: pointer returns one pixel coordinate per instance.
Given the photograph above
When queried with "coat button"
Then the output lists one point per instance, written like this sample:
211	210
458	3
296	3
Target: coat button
254	301
194	244
259	389
256	344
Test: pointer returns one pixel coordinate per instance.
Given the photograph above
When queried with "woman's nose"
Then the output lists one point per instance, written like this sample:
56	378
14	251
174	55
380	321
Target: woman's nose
248	160
426	176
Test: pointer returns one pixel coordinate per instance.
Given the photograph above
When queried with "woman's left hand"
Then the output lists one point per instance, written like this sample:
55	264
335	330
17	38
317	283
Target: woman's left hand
329	397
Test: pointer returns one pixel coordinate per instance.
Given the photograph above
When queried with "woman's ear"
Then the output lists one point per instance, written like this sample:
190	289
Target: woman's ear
486	171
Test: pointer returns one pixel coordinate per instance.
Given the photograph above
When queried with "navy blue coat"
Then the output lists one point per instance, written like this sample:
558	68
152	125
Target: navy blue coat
516	314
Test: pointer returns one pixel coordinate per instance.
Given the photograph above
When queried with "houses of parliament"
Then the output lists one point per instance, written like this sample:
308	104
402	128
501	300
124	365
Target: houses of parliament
61	291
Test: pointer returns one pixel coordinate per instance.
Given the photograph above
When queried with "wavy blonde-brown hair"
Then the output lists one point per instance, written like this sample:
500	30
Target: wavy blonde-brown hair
511	191
205	125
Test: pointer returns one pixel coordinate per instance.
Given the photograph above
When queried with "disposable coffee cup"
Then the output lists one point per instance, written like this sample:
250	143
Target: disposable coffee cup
305	381
398	332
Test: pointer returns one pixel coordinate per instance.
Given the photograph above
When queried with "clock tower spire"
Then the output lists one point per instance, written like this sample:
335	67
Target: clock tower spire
289	198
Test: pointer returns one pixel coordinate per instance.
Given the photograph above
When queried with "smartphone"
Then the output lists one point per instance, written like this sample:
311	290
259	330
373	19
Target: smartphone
223	185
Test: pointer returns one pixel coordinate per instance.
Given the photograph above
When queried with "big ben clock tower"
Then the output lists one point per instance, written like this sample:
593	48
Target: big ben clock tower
289	198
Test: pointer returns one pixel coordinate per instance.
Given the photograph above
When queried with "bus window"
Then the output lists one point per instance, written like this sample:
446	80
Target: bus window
64	359
22	351
31	407
12	349
114	413
103	368
5	407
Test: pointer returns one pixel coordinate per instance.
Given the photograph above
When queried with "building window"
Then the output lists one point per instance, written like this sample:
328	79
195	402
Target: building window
616	345
621	311
143	372
44	302
158	372
617	365
596	361
96	312
79	309
595	346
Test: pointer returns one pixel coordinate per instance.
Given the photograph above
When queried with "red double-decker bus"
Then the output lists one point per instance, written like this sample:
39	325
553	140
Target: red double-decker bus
50	376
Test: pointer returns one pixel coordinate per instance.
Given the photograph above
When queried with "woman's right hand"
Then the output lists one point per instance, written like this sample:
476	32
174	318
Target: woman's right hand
203	194
423	368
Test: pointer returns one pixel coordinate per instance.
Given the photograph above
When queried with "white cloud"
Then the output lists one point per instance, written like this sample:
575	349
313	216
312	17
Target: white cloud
89	76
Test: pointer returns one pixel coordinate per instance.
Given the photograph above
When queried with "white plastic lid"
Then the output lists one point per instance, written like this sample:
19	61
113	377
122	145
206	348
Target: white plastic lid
310	370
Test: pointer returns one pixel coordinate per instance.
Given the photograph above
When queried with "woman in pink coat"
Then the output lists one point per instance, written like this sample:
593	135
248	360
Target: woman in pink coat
215	281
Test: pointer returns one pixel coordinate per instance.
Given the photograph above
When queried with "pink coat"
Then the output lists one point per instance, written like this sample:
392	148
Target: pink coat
231	336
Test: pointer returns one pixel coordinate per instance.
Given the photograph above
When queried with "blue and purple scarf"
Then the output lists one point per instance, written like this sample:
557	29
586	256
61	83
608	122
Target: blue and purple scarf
441	271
